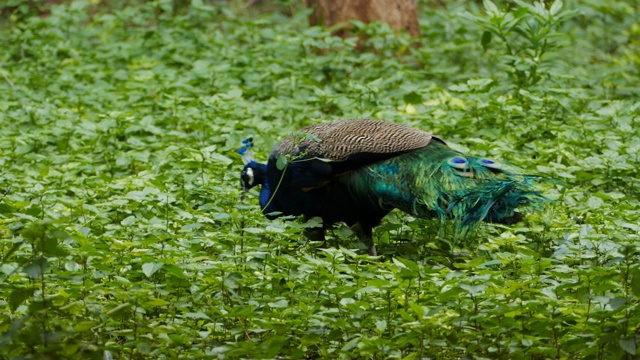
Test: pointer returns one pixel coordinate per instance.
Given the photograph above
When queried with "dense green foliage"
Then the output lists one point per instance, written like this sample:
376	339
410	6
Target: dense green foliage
123	228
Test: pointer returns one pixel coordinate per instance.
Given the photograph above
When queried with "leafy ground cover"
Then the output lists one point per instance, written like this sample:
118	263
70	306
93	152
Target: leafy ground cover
123	227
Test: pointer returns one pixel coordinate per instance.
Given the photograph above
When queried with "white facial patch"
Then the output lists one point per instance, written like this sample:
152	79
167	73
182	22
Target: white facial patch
250	176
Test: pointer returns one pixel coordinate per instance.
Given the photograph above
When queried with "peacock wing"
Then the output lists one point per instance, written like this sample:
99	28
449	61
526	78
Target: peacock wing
319	152
340	140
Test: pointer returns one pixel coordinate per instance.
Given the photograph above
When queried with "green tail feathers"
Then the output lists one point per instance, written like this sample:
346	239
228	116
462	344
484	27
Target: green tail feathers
438	182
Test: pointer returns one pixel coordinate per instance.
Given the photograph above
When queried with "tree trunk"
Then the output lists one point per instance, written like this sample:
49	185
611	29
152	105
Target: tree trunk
399	14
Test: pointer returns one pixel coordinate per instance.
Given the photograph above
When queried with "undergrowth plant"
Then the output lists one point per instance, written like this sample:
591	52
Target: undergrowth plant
124	233
526	33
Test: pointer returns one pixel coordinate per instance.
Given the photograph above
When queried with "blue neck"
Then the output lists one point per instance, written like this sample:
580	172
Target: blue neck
260	173
265	195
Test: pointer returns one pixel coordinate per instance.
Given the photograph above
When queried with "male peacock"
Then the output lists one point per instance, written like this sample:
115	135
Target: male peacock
357	171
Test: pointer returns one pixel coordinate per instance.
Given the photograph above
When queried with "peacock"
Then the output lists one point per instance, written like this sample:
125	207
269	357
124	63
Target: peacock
357	171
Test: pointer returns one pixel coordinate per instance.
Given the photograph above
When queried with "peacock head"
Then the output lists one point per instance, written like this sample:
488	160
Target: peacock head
253	173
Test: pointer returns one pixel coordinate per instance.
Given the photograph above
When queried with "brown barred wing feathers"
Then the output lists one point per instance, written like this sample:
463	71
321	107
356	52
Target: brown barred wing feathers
341	140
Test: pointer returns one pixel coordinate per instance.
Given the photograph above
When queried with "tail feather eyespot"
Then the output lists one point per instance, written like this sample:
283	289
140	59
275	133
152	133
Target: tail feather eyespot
459	163
490	164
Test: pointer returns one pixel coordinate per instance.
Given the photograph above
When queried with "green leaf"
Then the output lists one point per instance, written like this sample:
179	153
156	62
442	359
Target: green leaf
555	8
629	345
51	247
367	289
175	271
119	310
253	230
311	137
201	68
36	268
151	268
520	12
84	325
281	162
197	315
17	297
235	93
486	39
219	158
413	98
231	281
351	344
282	303
595	202
615	303
143	347
6	208
14	247
474	290
128	221
526	342
490	7
401	262
343	231
7	337
417	309
35	231
273	346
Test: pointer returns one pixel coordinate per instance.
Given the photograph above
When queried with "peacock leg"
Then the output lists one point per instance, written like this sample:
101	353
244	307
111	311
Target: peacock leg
314	233
366	235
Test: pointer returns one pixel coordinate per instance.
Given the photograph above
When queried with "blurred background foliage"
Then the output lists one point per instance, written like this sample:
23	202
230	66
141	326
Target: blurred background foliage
121	222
